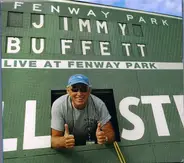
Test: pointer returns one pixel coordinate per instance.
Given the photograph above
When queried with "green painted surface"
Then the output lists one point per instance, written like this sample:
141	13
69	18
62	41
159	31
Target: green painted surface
163	44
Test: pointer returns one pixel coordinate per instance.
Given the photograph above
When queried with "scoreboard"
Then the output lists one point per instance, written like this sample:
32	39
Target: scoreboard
135	54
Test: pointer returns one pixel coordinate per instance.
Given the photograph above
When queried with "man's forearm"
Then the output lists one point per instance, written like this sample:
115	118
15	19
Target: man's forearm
57	142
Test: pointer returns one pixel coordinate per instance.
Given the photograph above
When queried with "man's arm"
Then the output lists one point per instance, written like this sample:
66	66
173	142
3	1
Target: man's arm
109	132
105	134
57	139
60	139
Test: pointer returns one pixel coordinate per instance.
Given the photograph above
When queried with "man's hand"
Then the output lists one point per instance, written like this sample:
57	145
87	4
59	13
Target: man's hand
68	139
100	135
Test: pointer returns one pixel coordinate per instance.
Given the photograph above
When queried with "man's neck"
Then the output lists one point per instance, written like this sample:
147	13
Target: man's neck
79	107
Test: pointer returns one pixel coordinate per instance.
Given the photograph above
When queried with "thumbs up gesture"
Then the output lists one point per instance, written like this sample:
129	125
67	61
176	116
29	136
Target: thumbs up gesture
100	135
69	139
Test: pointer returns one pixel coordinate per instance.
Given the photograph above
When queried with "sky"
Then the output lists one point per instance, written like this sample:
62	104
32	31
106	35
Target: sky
170	7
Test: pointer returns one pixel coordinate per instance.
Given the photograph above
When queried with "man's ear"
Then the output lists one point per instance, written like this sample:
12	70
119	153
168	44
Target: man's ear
67	90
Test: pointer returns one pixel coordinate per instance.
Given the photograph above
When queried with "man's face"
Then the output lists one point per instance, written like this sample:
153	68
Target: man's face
79	94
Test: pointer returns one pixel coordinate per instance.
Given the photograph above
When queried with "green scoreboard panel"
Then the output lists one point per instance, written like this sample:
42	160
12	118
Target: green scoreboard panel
135	54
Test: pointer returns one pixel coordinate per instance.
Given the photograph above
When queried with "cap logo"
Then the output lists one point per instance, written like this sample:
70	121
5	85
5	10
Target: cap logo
79	77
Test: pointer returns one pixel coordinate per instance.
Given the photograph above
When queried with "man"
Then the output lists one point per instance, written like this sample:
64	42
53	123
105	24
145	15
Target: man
80	118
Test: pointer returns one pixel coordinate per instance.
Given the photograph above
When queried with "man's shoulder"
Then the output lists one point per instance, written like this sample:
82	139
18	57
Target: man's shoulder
60	100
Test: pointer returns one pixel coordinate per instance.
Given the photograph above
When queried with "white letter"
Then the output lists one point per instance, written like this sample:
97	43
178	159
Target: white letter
84	47
138	131
105	13
156	103
165	22
13	42
180	106
126	48
56	9
142	49
74	10
129	17
31	141
91	13
64	46
101	25
41	22
65	19
122	28
141	20
103	48
153	20
37	51
36	7
84	24
9	144
16	4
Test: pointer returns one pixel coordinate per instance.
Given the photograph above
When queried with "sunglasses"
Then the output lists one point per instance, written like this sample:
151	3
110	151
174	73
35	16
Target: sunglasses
81	89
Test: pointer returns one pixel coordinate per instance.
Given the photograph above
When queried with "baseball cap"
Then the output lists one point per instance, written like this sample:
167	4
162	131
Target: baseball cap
78	78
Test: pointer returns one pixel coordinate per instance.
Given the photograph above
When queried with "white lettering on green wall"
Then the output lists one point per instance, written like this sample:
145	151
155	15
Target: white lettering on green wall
91	13
155	103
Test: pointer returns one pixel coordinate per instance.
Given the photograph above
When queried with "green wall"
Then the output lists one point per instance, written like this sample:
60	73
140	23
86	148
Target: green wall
163	43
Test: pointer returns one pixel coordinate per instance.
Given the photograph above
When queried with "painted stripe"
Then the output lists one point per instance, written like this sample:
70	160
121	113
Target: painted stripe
114	8
83	64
